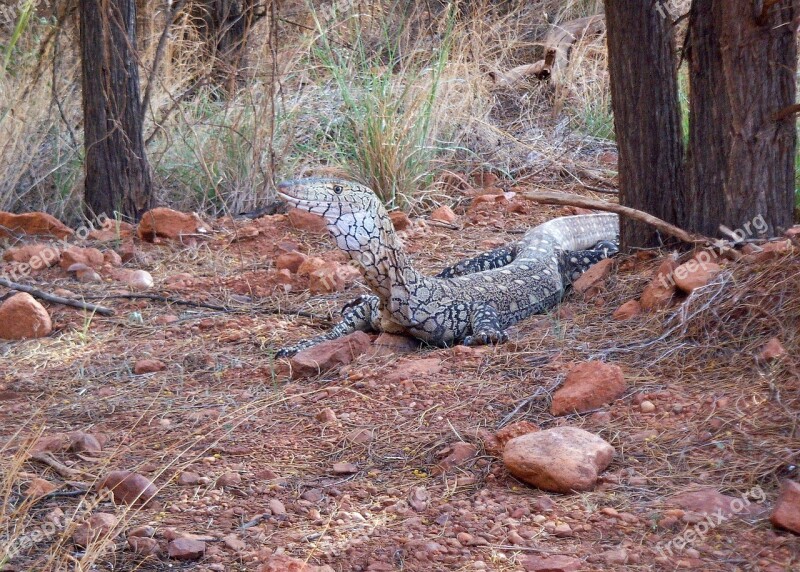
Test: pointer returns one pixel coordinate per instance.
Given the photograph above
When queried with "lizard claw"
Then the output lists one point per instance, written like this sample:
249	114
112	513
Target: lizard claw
486	337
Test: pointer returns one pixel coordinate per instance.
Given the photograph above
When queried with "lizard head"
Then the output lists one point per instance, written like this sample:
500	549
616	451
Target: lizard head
353	212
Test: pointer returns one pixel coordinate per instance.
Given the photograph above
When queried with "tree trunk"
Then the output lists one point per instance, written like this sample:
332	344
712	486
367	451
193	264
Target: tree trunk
117	173
647	119
743	62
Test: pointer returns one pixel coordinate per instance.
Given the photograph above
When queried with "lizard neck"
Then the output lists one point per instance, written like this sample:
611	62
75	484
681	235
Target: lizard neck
369	239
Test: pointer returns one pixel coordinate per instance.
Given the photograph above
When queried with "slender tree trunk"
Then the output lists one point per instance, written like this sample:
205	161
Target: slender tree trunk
743	62
647	119
117	172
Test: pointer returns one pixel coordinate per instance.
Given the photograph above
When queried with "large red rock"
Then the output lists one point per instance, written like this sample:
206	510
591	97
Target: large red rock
628	310
561	459
290	261
588	386
167	223
711	501
127	487
22	317
661	290
400	220
329	355
186	549
786	513
38	255
444	214
32	223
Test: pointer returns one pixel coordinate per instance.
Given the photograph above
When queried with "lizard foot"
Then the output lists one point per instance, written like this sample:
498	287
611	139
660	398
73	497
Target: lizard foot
486	337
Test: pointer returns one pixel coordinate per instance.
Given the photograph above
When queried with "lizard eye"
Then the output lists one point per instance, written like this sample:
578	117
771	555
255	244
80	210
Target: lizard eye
338	189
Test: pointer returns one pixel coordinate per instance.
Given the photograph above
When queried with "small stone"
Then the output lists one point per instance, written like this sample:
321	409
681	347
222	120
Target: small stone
710	501
329	355
283	563
229	480
312	495
786	513
89	257
22	317
309	222
290	261
361	436
277	507
144	546
144	530
772	350
326	415
594	277
561	459
234	542
554	563
444	214
616	557
588	386
344	468
388	344
400	220
39	487
419	499
628	310
98	526
167	223
647	406
144	366
188	478
563	530
81	442
695	274
459	453
127	487
140	280
186	549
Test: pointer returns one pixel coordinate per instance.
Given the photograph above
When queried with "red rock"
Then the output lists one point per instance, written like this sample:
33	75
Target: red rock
38	255
554	563
458	454
561	459
656	296
144	546
695	274
32	223
771	251
52	443
514	430
710	501
81	442
229	480
328	355
444	214
282	563
111	257
485	179
309	222
143	366
772	350
414	369
332	277
290	261
127	487
91	257
628	310
786	513
327	415
140	280
167	223
588	386
39	487
186	549
361	436
594	277
344	468
277	508
22	317
387	344
97	527
234	542
400	220
188	478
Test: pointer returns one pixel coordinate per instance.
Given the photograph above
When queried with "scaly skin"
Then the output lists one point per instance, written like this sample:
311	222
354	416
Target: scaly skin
472	302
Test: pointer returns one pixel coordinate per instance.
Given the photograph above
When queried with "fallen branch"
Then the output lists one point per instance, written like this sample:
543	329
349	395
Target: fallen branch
56	299
566	199
56	465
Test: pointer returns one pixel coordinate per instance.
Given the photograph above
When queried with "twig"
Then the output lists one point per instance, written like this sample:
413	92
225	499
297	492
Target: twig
57	466
57	299
162	42
567	199
181	302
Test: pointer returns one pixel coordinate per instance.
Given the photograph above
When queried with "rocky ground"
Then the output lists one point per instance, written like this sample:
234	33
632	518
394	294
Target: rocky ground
651	420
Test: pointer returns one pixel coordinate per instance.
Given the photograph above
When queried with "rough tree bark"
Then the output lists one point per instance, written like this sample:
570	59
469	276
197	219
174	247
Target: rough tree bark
116	168
743	61
647	120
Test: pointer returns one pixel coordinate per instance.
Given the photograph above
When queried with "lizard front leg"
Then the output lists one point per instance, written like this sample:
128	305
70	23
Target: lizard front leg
486	327
362	314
